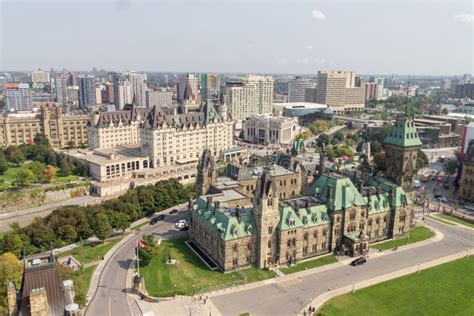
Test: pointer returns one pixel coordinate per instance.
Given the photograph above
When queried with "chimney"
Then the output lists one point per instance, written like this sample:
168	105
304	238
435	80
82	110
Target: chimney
360	185
11	298
237	214
39	302
209	201
216	206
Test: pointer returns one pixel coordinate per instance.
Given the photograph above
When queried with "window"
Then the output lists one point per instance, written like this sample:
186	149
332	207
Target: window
306	235
269	244
270	230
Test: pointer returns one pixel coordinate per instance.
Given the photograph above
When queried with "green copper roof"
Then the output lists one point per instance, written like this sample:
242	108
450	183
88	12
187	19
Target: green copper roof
378	204
399	195
403	133
211	112
314	216
344	193
221	221
298	146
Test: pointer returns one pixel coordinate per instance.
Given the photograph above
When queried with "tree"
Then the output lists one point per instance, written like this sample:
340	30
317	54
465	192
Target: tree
25	177
12	242
101	227
375	147
11	270
322	139
49	173
450	166
38	170
304	135
3	164
15	155
119	220
148	250
66	166
379	161
67	233
41	236
421	160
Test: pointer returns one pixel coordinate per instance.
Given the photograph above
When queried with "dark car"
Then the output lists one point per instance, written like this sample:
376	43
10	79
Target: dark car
174	211
446	186
185	228
437	196
157	219
358	261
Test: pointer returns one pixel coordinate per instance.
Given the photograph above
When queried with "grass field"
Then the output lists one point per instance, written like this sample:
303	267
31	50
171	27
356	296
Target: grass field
436	218
451	218
90	253
9	176
164	280
417	234
443	290
309	264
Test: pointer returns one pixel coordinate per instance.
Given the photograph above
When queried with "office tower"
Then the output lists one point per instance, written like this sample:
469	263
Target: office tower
446	84
18	96
466	78
252	96
165	79
380	86
108	94
370	91
61	89
72	79
464	91
193	81
159	97
139	87
87	93
359	82
98	94
337	89
73	95
40	77
310	95
210	86
297	89
124	94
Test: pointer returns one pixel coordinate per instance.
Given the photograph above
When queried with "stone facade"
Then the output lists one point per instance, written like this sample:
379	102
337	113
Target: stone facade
466	189
61	130
271	228
266	129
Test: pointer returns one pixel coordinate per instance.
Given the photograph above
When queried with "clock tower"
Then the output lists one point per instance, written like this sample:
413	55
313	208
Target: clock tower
401	149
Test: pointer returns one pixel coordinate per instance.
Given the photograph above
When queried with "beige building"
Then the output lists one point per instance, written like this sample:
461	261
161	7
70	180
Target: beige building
337	89
466	189
62	130
267	129
40	76
252	96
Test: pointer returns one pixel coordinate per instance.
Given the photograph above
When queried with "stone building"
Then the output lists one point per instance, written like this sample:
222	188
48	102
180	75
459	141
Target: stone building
267	129
466	189
62	130
401	148
240	223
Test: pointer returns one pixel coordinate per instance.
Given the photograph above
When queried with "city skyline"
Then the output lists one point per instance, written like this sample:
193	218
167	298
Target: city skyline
366	37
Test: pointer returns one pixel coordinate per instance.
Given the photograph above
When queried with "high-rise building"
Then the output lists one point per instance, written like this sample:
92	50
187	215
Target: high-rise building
380	87
193	81
297	89
40	76
464	91
18	96
370	91
252	96
210	86
139	87
446	84
124	94
61	89
159	97
87	93
337	89
72	79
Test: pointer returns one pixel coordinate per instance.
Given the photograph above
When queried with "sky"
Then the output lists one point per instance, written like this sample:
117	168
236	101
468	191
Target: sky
369	37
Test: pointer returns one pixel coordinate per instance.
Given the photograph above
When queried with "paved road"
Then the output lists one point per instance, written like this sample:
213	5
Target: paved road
277	300
111	297
26	216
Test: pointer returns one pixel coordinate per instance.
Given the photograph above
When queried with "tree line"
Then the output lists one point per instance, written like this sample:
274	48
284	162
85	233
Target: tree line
46	162
74	223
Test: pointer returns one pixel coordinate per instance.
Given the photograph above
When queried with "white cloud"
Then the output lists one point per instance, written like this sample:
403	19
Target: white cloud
249	45
318	15
309	47
464	18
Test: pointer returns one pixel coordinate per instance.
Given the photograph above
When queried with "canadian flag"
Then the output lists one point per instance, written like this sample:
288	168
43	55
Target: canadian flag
141	245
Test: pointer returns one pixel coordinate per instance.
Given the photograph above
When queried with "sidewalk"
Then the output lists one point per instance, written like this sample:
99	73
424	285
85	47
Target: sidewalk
184	305
321	299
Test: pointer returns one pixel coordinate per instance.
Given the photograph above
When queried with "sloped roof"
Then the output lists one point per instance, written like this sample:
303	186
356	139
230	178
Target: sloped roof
224	221
344	193
399	194
403	133
304	217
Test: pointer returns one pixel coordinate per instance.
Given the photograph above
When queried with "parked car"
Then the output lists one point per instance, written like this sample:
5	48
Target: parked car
157	219
174	211
443	199
182	223
358	261
437	196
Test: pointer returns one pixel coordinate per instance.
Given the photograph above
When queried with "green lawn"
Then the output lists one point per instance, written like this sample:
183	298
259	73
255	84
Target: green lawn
451	218
436	218
9	176
310	264
89	253
164	280
417	234
443	290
